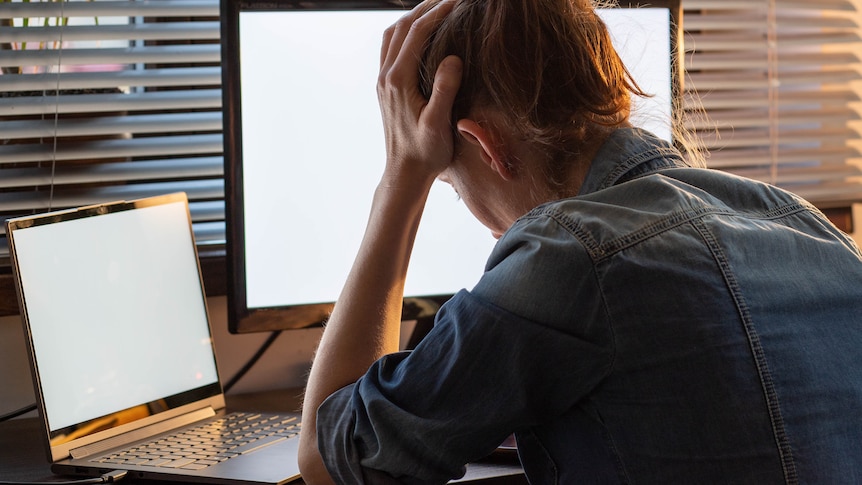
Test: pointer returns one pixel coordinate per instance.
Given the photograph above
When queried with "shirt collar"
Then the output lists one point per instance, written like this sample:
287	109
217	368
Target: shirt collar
629	153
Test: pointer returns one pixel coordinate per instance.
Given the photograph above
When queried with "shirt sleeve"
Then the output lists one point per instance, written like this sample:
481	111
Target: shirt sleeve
490	366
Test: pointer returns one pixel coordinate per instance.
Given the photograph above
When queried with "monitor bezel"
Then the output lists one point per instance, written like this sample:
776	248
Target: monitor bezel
241	318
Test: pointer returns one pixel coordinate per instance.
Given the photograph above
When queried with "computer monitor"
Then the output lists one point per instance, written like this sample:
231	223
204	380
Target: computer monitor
304	149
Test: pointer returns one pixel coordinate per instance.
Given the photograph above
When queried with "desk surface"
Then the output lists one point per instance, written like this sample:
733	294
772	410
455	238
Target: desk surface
23	457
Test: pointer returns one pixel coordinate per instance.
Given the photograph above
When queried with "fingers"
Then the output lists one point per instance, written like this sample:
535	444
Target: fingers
405	40
387	40
447	80
418	132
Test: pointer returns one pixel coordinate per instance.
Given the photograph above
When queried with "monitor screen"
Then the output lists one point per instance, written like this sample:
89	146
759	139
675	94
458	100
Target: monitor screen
304	149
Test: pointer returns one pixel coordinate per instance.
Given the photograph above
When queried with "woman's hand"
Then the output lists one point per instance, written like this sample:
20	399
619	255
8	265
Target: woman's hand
419	142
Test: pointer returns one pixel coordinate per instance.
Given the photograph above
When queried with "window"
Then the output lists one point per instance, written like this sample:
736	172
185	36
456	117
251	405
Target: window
101	101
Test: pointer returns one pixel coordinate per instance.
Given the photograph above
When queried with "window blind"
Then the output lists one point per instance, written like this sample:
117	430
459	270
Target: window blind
109	100
777	85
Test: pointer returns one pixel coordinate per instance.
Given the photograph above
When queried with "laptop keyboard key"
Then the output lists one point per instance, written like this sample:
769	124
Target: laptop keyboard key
257	444
181	462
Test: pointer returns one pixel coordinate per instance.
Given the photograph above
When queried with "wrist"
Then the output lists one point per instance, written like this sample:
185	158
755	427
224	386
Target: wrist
405	187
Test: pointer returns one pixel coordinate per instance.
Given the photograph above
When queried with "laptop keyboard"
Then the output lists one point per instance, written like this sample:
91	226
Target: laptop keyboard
210	443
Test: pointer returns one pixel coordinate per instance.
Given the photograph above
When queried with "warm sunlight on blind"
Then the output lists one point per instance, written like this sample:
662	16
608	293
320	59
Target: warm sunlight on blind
779	81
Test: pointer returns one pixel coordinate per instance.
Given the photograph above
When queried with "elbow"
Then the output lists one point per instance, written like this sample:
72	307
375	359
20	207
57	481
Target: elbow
311	463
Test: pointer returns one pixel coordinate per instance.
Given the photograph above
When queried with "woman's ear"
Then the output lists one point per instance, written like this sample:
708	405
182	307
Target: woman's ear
490	152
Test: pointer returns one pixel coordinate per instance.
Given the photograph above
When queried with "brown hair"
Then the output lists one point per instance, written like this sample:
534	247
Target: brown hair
547	67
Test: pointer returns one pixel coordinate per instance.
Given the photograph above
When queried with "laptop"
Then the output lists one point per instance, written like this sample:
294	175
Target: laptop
121	350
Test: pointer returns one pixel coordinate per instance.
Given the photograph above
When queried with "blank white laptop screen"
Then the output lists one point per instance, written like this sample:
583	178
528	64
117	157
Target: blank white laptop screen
120	293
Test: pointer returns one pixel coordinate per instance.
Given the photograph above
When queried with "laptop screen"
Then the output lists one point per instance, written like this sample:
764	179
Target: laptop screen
115	312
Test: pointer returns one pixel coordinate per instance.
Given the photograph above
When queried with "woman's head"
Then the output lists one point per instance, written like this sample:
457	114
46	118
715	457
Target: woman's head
545	68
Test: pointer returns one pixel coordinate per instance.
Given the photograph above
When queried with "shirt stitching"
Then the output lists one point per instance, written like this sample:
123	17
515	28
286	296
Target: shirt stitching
767	383
669	156
599	252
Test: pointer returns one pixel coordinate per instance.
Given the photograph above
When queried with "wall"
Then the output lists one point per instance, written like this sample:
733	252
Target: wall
284	365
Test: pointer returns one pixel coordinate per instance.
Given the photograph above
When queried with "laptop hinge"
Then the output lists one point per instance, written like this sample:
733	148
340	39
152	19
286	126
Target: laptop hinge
143	433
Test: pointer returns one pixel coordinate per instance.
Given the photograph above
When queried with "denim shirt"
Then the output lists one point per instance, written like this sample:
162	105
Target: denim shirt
668	325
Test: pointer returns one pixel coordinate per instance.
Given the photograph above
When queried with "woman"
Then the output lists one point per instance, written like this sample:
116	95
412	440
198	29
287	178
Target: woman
638	320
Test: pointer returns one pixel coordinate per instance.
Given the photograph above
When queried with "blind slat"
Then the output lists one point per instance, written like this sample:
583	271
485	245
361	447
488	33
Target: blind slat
756	80
747	137
102	149
209	233
149	32
753	20
754	60
153	54
172	8
829	195
184	168
820	157
94	103
199	76
208	210
44	199
749	118
793	175
716	100
114	125
840	5
738	41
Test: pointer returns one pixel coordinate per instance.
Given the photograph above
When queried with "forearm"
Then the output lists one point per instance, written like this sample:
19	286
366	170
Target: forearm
365	323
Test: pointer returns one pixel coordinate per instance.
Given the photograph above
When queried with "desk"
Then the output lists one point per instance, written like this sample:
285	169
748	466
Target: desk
22	456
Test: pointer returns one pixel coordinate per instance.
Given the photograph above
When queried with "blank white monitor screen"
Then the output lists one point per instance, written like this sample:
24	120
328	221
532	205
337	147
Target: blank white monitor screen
313	151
